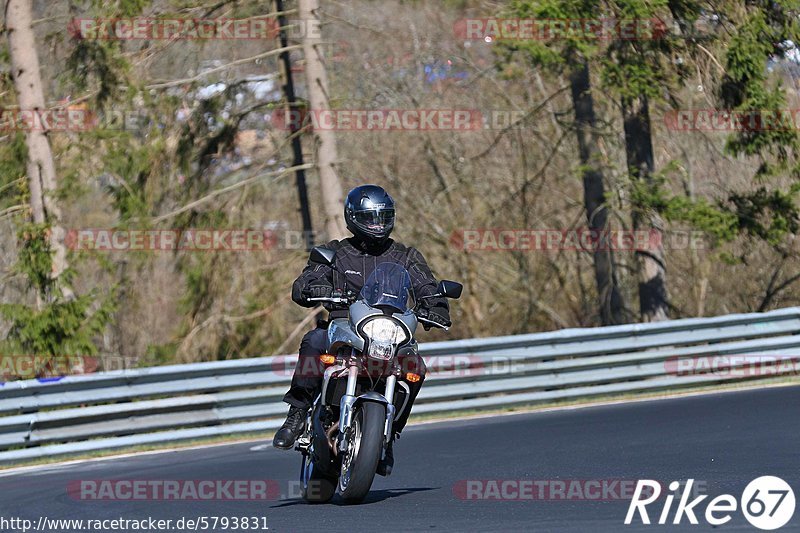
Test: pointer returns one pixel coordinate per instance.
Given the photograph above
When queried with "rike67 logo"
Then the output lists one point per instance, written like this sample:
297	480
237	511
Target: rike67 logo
767	503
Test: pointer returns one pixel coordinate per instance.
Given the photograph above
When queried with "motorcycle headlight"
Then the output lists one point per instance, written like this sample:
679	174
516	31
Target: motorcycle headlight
385	330
384	335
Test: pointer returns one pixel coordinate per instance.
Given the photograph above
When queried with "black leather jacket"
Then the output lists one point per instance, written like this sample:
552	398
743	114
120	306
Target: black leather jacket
354	264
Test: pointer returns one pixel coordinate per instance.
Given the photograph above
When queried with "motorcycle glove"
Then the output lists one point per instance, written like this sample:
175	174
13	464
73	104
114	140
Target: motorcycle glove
439	315
318	291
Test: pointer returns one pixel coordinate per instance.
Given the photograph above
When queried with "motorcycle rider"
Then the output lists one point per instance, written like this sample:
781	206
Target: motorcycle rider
369	212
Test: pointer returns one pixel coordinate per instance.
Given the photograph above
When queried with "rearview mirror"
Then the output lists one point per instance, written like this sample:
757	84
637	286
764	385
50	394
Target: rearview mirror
450	289
320	254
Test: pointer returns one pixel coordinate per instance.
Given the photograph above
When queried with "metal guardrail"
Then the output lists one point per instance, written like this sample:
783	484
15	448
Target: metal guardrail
112	410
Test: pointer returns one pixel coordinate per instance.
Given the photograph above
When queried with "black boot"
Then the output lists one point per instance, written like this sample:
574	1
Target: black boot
291	429
386	464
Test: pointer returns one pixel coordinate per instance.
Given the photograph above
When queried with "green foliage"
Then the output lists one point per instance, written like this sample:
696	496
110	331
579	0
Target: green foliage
713	220
131	166
121	8
59	325
648	195
769	215
13	158
34	256
744	70
637	67
746	86
97	63
632	73
197	270
769	134
778	141
159	354
559	52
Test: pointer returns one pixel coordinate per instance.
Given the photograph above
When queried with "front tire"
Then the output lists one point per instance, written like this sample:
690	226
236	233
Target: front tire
358	469
317	487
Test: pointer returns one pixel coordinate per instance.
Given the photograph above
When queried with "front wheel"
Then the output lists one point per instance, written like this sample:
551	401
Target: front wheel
317	487
364	452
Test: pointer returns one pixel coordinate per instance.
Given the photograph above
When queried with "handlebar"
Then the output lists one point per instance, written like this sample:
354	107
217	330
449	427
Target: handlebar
349	300
332	299
432	323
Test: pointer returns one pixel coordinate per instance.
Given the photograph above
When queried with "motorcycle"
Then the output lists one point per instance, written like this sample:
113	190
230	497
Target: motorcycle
365	387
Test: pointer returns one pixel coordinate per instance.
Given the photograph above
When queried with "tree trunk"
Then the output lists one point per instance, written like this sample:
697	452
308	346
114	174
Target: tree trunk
317	81
297	147
650	262
610	299
41	168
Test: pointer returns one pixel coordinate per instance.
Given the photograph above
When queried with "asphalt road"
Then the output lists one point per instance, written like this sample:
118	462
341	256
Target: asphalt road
722	441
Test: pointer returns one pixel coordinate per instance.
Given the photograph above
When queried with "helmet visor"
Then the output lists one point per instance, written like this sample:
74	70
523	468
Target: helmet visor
375	219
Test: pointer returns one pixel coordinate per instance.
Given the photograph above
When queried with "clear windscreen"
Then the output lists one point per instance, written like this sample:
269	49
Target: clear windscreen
389	285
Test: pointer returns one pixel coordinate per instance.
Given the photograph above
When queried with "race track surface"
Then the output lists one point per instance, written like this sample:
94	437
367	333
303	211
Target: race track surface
721	440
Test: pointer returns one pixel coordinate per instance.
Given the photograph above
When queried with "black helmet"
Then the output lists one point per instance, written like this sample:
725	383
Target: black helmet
369	213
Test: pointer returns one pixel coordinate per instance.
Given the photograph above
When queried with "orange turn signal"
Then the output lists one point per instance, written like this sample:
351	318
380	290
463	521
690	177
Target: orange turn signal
413	378
327	359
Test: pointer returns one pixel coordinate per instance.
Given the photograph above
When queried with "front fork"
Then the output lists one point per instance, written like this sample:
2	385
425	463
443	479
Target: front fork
349	399
346	406
391	383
